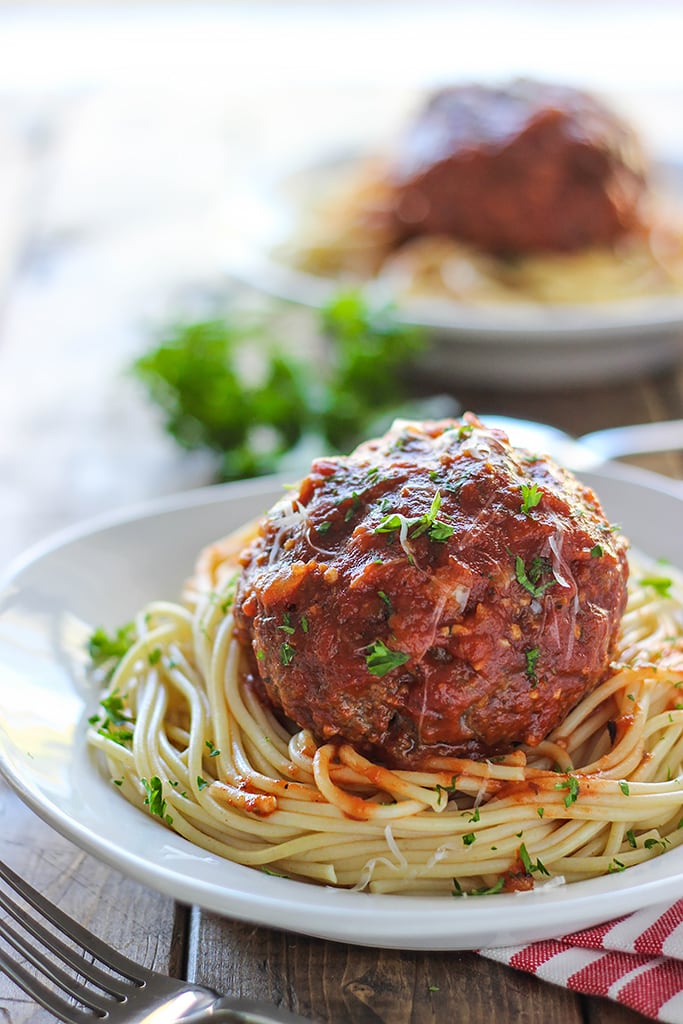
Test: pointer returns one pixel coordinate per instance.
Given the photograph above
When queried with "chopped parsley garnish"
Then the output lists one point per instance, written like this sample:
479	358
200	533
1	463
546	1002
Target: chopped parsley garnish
531	497
287	652
115	709
353	507
392	522
532	657
287	626
651	843
441	531
213	750
615	865
597	551
624	787
469	838
201	783
571	783
483	891
116	723
660	584
445	790
324	527
386	599
436	529
476	816
155	656
104	649
529	577
528	864
631	838
380	659
155	799
229	593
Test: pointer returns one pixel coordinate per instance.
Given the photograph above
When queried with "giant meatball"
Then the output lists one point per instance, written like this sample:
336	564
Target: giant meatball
436	592
526	168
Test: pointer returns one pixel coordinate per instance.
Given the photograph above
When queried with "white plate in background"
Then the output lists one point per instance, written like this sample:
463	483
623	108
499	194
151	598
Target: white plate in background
522	345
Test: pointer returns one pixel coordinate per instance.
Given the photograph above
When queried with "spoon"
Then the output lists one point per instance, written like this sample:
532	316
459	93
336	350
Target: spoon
593	449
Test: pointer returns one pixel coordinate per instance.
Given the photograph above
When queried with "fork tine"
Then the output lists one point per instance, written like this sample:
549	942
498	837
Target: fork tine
42	994
67	982
77	933
121	988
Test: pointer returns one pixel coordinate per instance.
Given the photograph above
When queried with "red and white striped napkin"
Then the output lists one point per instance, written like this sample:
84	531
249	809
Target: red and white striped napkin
636	961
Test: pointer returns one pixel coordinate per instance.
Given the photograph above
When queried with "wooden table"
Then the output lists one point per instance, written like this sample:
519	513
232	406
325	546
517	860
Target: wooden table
86	220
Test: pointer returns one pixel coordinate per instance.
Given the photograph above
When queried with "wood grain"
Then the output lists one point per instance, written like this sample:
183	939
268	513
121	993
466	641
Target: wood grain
334	982
146	926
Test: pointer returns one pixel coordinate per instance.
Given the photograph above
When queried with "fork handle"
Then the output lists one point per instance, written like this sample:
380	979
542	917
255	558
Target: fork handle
232	1010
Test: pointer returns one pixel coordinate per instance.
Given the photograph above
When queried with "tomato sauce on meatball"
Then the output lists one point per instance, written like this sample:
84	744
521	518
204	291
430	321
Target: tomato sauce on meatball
529	167
436	592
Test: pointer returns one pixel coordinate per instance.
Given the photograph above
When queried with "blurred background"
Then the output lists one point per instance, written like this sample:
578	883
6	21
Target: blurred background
132	137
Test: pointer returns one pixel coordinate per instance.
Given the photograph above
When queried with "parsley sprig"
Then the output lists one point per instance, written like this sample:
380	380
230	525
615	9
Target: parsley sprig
529	576
436	529
381	659
202	376
106	650
571	784
490	890
660	584
531	497
155	799
116	723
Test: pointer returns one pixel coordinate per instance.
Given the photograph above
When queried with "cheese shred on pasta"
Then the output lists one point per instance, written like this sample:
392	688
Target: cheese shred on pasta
186	738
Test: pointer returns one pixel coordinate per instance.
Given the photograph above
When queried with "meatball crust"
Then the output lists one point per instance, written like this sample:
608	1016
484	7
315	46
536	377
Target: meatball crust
436	592
527	168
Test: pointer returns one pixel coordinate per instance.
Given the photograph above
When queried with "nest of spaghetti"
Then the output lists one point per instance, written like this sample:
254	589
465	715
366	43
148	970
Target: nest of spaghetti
427	669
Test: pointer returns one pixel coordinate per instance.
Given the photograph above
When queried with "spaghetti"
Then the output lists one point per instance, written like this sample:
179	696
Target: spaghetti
186	737
342	234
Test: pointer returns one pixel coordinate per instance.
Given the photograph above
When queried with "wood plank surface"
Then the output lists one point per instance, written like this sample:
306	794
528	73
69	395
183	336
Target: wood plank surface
143	924
333	983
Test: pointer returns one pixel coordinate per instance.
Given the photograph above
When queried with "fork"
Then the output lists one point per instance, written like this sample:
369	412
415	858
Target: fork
115	990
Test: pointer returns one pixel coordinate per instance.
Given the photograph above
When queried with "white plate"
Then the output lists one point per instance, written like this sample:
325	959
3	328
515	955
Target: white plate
101	574
525	345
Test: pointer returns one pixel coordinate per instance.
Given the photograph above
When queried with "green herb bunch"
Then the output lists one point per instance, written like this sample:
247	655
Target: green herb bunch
231	386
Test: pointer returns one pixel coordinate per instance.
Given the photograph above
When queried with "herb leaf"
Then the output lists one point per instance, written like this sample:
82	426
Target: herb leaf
529	578
436	529
196	375
154	798
572	784
660	584
532	657
531	497
381	660
104	648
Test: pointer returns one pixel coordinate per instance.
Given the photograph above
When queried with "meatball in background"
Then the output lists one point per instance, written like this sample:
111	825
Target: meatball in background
524	168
